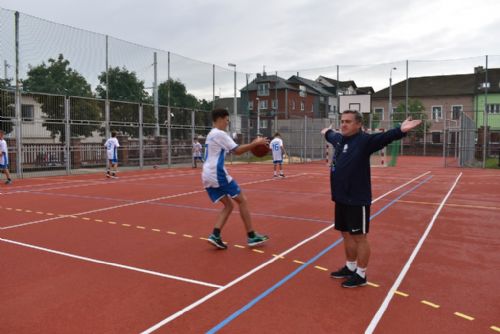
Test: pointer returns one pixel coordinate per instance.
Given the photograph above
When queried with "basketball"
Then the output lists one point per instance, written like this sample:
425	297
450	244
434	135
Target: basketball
260	150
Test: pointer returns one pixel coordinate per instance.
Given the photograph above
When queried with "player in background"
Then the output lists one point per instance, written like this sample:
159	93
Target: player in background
279	152
4	158
219	185
197	152
112	145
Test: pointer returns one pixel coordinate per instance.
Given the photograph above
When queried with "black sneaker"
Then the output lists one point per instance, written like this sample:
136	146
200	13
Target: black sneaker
343	272
354	281
8	182
217	241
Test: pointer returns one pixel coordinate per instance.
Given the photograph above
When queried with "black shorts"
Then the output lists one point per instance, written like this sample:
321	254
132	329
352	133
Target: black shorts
354	219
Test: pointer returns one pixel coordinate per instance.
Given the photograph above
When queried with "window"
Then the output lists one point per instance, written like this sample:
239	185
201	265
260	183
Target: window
301	105
263	89
302	91
436	137
263	104
275	104
250	105
437	113
379	113
263	124
456	111
293	104
28	112
493	108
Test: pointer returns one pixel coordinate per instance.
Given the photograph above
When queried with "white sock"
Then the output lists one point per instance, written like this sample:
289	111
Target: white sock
351	265
361	272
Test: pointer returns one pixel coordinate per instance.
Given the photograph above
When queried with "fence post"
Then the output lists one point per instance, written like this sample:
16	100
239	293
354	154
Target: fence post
19	167
141	137
67	140
193	124
305	139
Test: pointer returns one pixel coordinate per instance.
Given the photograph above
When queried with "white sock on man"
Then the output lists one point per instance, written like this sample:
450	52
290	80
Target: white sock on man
361	272
351	265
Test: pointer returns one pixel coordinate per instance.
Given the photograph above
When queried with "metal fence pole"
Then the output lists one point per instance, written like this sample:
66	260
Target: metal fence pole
485	114
19	169
169	118
193	124
67	139
141	136
305	139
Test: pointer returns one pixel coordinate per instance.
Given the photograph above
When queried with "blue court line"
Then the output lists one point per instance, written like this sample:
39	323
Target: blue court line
302	267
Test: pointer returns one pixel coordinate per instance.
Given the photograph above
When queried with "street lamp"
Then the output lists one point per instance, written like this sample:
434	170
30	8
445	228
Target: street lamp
235	127
258	117
390	92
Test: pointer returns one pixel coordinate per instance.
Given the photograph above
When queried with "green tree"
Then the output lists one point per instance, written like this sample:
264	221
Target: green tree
58	78
125	86
417	111
7	106
181	103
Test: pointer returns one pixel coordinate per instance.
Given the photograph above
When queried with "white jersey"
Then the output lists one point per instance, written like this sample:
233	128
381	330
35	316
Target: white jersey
275	145
112	148
217	145
197	150
4	160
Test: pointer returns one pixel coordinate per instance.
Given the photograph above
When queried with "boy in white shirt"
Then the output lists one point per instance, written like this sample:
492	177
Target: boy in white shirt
197	150
112	152
219	185
278	150
4	158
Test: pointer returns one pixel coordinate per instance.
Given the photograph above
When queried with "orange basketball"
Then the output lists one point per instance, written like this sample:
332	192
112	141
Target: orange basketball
260	150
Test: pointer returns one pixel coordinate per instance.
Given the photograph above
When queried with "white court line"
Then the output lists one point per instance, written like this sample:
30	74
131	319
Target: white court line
397	283
112	264
91	182
265	264
128	204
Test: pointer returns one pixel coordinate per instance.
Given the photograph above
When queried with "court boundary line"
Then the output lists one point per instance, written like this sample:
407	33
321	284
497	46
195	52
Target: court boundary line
111	264
129	204
261	266
390	294
264	294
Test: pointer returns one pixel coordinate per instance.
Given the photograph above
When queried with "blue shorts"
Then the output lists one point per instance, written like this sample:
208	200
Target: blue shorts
232	189
6	166
276	162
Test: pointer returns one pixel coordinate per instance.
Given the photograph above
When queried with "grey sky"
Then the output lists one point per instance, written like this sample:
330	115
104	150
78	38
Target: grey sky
289	35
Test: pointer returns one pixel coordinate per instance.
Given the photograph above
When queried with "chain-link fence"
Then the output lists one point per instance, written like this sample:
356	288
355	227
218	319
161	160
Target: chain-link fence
65	89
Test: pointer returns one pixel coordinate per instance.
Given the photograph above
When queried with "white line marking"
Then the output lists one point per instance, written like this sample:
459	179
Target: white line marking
124	205
112	264
251	272
397	283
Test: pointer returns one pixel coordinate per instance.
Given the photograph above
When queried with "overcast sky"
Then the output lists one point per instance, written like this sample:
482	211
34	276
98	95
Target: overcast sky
288	34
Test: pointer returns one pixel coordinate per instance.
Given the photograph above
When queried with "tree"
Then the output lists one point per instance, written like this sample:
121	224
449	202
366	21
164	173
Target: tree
417	111
182	103
124	86
7	106
58	78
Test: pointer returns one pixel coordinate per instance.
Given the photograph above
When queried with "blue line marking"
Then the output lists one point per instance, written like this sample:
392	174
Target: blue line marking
302	267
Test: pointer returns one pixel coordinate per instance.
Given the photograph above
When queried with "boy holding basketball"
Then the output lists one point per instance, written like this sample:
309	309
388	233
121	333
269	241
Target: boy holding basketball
351	188
278	150
219	185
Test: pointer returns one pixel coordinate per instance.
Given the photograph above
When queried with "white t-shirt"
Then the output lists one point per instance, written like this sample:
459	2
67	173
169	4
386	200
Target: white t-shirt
112	148
217	145
4	160
197	150
275	145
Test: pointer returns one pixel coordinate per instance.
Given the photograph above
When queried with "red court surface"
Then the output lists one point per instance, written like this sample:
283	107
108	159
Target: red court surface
84	254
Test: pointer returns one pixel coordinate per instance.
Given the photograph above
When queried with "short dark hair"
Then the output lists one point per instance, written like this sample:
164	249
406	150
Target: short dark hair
357	115
219	113
277	134
113	133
